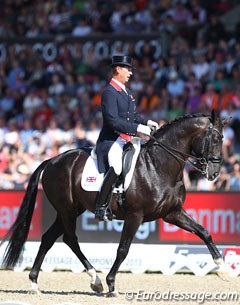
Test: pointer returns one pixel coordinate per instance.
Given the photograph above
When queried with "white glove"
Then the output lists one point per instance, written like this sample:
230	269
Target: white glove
144	129
152	124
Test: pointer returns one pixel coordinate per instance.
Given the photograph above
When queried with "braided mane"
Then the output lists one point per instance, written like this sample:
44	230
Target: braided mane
180	118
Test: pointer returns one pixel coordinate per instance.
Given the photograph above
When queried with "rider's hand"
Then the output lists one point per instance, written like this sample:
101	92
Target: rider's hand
153	125
144	131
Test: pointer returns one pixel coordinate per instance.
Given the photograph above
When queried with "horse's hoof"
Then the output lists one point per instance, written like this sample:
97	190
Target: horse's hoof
97	287
224	276
34	289
35	292
112	294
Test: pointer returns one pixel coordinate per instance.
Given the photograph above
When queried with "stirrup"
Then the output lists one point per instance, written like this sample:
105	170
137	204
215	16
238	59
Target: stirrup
104	214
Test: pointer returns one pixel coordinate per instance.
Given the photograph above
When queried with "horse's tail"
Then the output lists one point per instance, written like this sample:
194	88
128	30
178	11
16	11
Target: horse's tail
19	230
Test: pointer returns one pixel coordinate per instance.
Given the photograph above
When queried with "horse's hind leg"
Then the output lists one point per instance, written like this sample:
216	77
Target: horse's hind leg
48	239
71	240
181	219
131	224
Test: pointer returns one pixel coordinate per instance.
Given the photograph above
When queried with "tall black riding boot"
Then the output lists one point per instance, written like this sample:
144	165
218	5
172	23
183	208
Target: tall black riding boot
102	212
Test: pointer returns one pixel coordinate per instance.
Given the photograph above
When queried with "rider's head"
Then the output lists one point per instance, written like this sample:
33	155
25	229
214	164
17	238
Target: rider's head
122	67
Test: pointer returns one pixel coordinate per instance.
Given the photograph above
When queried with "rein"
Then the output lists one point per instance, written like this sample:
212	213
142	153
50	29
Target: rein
202	160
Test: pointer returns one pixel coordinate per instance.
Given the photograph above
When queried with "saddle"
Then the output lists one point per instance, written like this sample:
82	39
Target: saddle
92	179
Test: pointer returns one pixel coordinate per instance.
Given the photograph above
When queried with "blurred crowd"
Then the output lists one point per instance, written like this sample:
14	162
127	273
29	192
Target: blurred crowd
47	108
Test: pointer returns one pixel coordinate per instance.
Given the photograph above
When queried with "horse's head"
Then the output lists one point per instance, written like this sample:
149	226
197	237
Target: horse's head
200	138
210	145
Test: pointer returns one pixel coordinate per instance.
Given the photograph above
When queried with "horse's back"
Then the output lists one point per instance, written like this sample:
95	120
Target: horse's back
62	172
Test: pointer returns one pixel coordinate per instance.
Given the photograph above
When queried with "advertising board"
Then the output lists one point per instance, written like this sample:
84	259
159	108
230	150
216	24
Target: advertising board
219	213
9	206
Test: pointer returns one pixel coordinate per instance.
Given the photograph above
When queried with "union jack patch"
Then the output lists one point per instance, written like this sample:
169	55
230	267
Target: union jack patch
91	179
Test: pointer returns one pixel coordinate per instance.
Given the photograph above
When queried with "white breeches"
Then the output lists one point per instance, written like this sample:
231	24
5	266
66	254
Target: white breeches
115	155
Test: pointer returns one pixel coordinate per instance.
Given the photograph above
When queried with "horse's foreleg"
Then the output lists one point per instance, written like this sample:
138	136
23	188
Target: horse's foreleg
181	219
131	225
48	239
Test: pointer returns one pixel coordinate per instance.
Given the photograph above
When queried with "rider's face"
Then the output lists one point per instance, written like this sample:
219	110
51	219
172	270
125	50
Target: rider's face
124	73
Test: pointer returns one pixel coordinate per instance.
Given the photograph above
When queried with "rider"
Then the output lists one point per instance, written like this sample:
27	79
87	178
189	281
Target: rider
120	123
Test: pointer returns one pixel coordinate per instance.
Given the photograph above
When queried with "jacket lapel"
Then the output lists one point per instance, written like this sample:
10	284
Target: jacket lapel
119	89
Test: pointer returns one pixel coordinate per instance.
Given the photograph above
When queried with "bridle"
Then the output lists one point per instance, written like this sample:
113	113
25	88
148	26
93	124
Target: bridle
201	164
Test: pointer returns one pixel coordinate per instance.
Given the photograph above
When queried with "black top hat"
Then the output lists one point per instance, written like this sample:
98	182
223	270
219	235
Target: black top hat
121	61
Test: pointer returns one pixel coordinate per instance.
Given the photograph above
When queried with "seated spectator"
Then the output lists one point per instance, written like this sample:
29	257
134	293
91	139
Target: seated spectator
175	85
234	78
225	96
31	103
229	63
92	132
201	68
228	141
198	15
148	100
210	99
234	177
168	26
194	100
176	108
222	181
217	64
214	29
192	82
219	81
179	13
7	104
236	96
11	136
146	71
82	28
26	132
56	86
136	85
200	49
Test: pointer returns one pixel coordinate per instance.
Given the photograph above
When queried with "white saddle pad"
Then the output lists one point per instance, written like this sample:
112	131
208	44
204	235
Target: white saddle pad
92	180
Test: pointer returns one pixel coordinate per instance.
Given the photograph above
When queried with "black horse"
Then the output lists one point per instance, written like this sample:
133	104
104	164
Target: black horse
156	191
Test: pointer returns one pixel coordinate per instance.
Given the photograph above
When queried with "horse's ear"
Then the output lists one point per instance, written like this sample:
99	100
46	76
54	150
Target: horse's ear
226	121
214	115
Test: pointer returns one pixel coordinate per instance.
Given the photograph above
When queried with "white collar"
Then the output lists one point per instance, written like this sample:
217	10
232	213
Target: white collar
120	84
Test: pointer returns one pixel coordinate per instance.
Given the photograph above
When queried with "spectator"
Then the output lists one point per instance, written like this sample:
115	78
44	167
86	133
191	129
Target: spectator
234	177
148	100
214	30
228	141
7	104
26	71
219	81
175	85
210	99
176	108
31	103
82	28
194	100
222	181
201	68
56	87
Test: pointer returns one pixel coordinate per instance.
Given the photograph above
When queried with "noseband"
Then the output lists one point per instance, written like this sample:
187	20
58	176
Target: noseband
201	164
207	145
